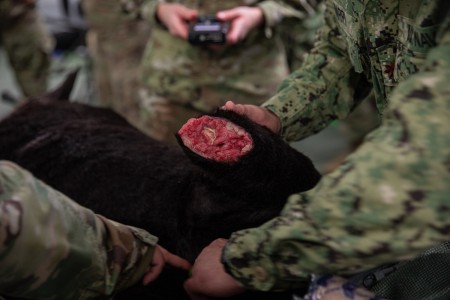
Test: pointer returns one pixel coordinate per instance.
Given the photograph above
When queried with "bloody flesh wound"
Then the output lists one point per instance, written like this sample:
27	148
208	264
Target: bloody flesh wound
216	138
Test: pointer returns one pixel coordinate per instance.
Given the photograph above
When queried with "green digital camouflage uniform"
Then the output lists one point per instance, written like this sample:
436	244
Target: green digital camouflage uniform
52	248
27	44
389	200
116	42
182	81
298	37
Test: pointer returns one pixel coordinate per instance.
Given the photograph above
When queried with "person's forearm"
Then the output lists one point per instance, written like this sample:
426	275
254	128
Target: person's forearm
52	247
321	90
387	202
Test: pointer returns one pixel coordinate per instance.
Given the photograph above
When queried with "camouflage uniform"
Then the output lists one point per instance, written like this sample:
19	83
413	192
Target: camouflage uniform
298	37
52	248
27	44
389	200
182	81
116	42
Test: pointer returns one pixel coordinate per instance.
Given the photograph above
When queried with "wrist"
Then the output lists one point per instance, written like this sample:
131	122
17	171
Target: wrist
260	16
274	121
158	12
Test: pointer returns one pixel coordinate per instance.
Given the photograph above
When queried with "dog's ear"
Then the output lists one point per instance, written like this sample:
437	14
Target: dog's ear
62	93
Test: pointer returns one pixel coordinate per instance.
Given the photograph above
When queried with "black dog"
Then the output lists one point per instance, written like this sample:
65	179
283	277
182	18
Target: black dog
98	159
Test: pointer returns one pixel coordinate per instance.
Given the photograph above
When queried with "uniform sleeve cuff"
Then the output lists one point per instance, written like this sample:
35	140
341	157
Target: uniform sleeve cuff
271	18
149	12
252	272
273	109
141	259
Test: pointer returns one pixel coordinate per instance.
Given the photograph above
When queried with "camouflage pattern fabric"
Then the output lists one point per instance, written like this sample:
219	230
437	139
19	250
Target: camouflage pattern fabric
362	120
389	200
298	37
182	81
27	44
116	42
51	248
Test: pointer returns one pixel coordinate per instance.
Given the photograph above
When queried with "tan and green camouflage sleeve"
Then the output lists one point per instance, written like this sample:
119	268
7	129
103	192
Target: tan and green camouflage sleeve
140	9
27	44
275	11
387	202
52	248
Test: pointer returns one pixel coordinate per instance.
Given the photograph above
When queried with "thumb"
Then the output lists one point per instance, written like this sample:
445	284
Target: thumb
156	267
237	108
160	258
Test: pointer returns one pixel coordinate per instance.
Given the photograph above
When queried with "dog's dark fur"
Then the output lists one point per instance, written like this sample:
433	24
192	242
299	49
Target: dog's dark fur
98	159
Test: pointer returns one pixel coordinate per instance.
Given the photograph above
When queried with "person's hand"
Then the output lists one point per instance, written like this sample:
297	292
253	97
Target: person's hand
257	114
242	20
209	278
176	18
161	257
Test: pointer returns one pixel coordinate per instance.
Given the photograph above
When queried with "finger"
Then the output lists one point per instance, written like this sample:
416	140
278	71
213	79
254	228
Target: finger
228	15
152	274
176	261
228	105
234	34
155	269
237	108
240	109
180	26
180	29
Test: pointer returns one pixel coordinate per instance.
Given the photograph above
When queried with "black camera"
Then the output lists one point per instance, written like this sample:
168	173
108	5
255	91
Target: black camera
208	30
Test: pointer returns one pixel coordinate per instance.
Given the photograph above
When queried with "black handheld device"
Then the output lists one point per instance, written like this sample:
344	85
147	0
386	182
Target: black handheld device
208	30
